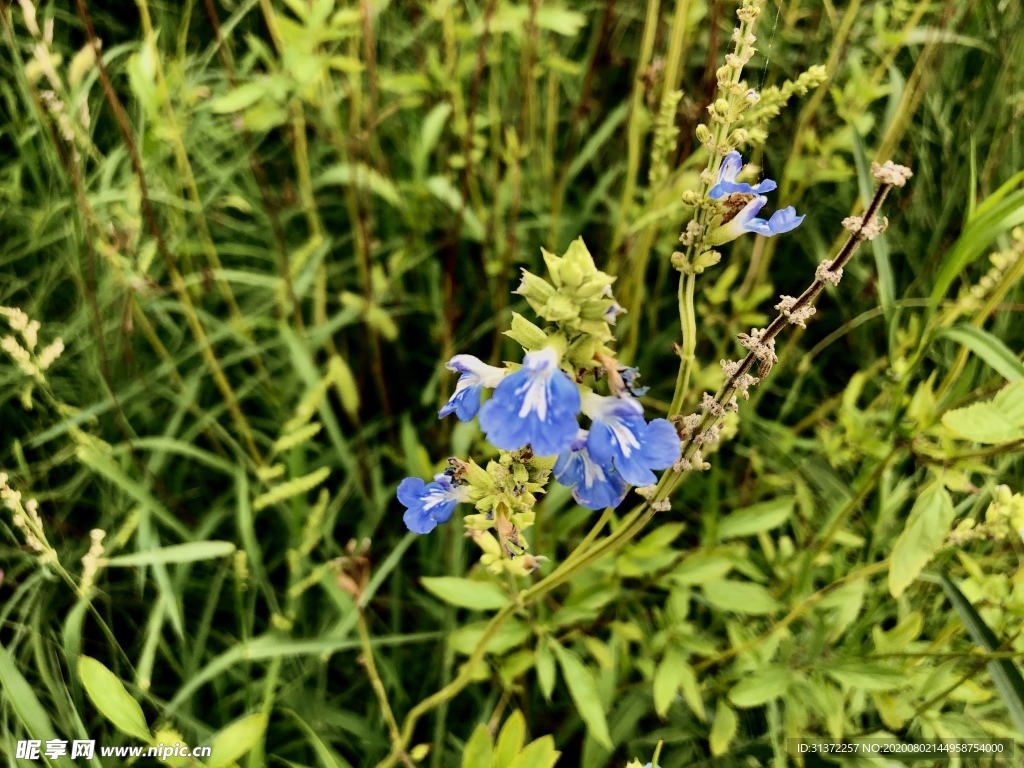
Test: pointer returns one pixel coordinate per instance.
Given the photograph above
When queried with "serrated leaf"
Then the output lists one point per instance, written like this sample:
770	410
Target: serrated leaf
109	696
999	420
740	597
479	748
724	729
466	593
236	740
761	687
583	690
924	533
756	518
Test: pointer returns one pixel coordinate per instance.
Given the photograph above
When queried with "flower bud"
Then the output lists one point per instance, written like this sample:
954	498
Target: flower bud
690	197
703	134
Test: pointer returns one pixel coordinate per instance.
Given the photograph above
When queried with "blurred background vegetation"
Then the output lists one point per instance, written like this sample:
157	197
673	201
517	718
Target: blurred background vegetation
262	226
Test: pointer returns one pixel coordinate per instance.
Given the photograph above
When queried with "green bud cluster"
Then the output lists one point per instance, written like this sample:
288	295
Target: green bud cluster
774	98
1004	519
508	488
576	301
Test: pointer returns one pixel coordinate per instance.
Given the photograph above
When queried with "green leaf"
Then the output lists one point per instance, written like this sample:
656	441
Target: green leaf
430	134
724	729
236	740
1005	673
512	634
178	553
477	753
560	21
344	384
510	740
987	347
700	569
756	519
467	593
110	697
999	420
362	176
21	698
866	676
999	214
545	669
538	754
740	597
597	139
691	692
761	687
666	681
583	690
242	97
924	533
442	189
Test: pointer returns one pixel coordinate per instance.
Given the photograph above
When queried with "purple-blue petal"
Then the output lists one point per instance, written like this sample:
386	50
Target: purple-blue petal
410	490
507	430
465	403
661	447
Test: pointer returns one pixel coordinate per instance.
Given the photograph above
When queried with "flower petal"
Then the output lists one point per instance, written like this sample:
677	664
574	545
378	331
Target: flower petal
661	444
536	405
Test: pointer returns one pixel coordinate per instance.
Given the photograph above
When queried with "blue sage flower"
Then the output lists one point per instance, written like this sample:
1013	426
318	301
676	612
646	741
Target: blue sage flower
536	405
476	374
594	486
727	184
746	220
621	436
629	377
430	503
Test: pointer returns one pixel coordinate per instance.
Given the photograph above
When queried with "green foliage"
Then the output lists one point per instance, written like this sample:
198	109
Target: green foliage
227	309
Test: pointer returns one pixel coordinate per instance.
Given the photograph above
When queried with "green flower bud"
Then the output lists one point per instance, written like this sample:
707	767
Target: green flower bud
559	308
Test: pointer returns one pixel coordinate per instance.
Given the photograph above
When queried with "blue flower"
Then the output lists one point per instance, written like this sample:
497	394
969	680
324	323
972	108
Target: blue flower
746	220
593	486
629	377
429	503
536	405
727	184
620	435
476	375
